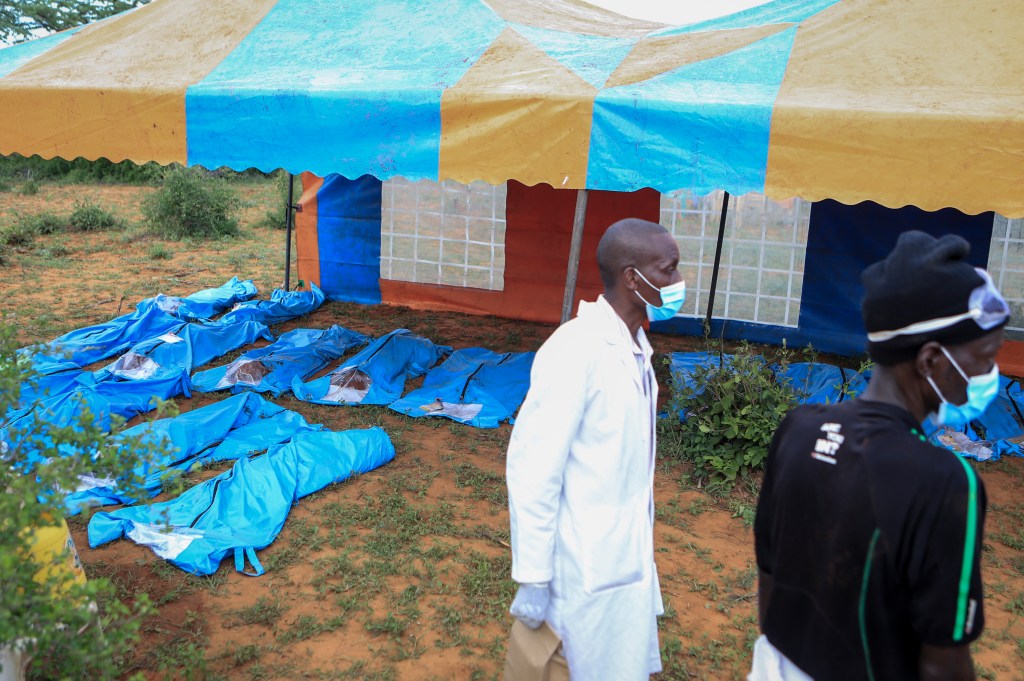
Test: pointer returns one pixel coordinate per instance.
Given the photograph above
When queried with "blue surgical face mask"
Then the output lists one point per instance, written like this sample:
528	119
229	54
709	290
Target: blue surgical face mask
981	390
672	297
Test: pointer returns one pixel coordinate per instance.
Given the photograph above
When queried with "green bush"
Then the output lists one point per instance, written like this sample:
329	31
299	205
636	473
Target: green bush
4	186
43	610
274	217
30	188
732	410
191	203
88	217
79	171
19	235
42	223
58	249
159	252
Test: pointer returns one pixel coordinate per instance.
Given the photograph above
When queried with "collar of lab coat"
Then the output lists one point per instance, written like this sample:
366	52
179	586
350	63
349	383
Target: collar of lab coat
616	333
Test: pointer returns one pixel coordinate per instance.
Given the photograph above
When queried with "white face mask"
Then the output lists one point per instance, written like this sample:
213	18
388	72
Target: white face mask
981	390
672	298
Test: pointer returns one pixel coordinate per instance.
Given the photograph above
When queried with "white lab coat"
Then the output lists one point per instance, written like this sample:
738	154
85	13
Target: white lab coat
580	478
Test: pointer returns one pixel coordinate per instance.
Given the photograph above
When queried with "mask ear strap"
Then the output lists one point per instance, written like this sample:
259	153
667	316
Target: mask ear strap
645	279
955	364
935	388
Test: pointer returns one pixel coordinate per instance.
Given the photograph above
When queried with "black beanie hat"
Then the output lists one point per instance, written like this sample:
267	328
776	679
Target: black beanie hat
923	278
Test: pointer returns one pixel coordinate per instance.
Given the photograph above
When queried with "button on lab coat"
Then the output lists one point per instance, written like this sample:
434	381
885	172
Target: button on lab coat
580	479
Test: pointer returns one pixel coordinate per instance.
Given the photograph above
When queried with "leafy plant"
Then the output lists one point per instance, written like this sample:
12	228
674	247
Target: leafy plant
30	188
274	217
88	217
69	629
732	409
159	252
42	223
192	203
25	19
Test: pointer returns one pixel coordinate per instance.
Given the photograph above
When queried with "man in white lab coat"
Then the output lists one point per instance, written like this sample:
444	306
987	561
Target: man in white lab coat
581	467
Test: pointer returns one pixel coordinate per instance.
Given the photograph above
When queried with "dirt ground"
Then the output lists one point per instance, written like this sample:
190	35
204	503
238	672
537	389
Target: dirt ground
403	573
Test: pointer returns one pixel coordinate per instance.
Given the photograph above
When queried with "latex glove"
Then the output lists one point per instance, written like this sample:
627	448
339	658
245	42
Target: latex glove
530	604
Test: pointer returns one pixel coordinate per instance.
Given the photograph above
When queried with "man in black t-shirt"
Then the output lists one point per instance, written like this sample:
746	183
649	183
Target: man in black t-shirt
868	538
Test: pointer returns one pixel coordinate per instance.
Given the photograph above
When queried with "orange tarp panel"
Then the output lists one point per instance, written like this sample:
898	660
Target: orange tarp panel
306	239
1011	359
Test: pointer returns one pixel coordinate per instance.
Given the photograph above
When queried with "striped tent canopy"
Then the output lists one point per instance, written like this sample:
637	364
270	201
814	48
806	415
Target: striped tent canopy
901	102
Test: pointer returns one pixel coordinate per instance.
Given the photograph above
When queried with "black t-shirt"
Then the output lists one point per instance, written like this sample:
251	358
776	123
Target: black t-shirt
872	538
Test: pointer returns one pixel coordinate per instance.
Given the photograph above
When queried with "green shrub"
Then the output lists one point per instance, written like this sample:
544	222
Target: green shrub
19	235
46	612
5	186
88	217
30	188
191	203
58	249
159	252
80	170
274	217
43	223
732	410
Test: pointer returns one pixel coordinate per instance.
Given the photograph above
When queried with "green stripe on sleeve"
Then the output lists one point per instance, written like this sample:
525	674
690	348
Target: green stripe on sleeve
970	538
862	605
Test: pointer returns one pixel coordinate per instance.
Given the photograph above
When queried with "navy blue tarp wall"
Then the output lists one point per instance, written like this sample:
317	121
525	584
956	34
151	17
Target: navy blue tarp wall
338	237
842	240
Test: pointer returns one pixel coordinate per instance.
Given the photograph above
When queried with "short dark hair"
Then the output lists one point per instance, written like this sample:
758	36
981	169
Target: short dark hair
627	243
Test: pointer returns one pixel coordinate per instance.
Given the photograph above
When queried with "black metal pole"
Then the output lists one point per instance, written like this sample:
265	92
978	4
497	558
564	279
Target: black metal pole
288	235
718	261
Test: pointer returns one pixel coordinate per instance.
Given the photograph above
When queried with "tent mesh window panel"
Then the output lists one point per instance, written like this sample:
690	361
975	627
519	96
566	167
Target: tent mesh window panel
443	233
762	268
1006	265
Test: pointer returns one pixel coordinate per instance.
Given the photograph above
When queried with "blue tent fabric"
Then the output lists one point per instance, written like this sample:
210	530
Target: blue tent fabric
474	386
297	353
233	428
243	509
348	226
693	104
283	306
185	348
377	373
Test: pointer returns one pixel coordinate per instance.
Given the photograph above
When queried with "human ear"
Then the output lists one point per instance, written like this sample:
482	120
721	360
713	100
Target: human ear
927	359
629	278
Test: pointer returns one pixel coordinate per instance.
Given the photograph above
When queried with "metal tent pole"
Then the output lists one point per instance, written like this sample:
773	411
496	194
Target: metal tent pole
718	261
288	234
574	254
